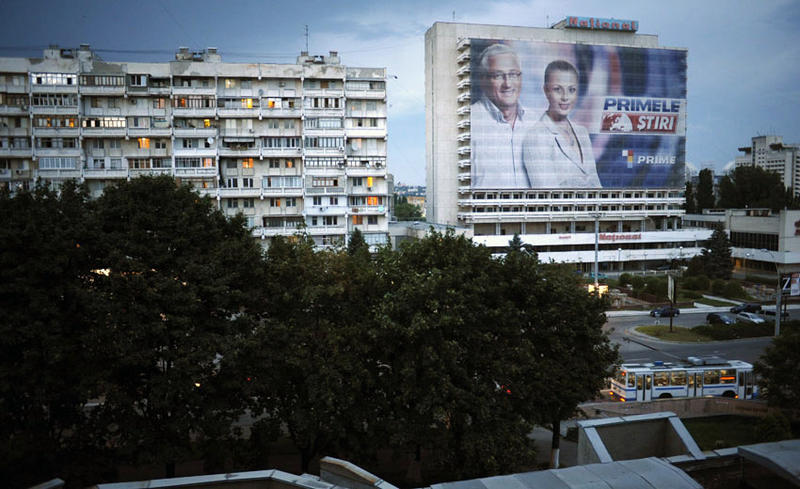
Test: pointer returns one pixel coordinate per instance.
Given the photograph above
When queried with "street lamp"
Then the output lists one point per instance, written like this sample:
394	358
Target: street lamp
778	292
619	260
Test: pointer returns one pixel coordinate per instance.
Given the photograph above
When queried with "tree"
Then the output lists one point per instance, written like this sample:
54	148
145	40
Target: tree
404	211
690	205
716	255
47	371
777	370
752	186
310	358
705	190
170	310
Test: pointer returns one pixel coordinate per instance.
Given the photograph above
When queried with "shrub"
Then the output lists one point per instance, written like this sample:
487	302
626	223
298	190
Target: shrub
696	282
718	286
774	427
625	279
656	286
638	283
733	290
691	294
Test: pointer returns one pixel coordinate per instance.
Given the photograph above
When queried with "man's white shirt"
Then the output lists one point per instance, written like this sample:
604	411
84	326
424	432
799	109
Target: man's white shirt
497	147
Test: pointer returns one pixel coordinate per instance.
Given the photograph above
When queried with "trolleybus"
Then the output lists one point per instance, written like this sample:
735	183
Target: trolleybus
696	377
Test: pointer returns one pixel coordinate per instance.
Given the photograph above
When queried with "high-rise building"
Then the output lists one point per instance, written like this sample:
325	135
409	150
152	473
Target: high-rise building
772	154
284	144
567	136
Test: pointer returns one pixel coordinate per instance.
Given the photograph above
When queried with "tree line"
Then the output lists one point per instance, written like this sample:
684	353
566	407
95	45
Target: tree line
745	187
139	327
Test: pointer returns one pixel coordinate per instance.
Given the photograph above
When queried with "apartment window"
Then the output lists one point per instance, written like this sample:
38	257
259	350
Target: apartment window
274	202
95	102
248	203
161	143
247	163
190	143
372	220
317	201
137	80
159	103
233	203
230	83
274	163
314	221
54	79
373	200
273	123
58	163
372	105
333	200
144	143
288	123
357	220
114	144
324	182
289	163
330	220
246	83
232	182
102	80
247	182
98	144
51	100
358	181
291	202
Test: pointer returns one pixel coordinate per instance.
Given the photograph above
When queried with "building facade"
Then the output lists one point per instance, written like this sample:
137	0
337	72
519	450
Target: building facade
770	153
637	208
287	145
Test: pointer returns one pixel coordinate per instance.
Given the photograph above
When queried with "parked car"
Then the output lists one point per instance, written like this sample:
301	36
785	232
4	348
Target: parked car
720	318
750	317
771	312
665	311
746	308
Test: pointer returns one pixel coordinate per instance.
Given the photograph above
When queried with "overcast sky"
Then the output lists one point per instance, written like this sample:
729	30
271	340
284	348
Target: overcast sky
744	57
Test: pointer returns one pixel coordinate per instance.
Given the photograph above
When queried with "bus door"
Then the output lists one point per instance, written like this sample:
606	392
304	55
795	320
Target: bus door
695	384
745	388
644	384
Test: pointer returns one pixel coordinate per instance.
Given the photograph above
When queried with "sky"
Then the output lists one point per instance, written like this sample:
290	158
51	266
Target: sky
743	69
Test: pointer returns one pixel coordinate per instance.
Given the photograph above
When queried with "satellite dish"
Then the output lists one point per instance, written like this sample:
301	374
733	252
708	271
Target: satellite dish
210	140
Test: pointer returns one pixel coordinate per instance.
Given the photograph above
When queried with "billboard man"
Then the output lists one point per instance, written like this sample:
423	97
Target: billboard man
498	121
557	153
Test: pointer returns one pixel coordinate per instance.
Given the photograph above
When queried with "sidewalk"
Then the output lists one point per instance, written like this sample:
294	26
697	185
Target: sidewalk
543	439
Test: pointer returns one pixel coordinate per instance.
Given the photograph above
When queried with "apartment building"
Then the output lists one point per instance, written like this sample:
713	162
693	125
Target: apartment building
287	145
619	188
772	154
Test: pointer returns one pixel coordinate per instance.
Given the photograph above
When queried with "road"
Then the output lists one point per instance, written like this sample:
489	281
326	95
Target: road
637	348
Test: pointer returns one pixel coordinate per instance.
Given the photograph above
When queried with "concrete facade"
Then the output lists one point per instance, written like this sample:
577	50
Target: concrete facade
646	222
772	154
284	144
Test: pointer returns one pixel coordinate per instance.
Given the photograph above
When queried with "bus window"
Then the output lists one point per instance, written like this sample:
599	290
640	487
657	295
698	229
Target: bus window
648	384
621	377
631	380
639	383
661	379
691	379
711	377
678	378
727	376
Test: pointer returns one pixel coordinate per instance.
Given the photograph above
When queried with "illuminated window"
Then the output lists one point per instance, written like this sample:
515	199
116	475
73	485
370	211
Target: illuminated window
369	181
358	220
247	103
289	163
247	163
372	200
144	143
230	83
274	202
206	122
208	162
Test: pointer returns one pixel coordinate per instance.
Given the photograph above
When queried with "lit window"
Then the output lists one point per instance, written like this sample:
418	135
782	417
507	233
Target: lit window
369	181
247	103
208	162
372	200
144	143
206	122
289	163
247	163
358	220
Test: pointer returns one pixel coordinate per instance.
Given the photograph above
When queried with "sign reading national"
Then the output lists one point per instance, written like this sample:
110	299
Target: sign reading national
574	22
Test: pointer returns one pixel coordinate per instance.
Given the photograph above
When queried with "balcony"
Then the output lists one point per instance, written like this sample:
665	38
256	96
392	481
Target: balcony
5	174
194	152
187	172
55	109
264	232
195	132
323	92
61	132
463	43
53	152
323	230
368	210
232	112
102	90
281	192
146	132
17	132
138	172
54	88
366	132
20	174
179	90
61	173
280	152
11	88
14	110
366	94
229	193
311	152
103	174
366	171
326	112
104	132
240	151
321	171
325	190
195	112
325	210
281	112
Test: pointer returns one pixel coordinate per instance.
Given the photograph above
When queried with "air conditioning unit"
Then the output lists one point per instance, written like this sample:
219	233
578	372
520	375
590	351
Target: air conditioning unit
133	101
281	84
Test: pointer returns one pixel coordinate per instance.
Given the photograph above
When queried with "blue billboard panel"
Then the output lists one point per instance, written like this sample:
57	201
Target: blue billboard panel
560	115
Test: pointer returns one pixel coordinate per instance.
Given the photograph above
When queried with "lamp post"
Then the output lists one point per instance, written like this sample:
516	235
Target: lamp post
596	216
778	292
619	259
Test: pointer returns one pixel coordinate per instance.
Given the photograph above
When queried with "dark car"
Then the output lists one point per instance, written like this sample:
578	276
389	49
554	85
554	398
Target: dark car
665	311
720	318
746	308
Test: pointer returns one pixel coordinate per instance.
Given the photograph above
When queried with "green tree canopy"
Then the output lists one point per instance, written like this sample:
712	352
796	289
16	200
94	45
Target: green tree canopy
174	301
716	256
705	190
779	370
690	205
403	211
752	186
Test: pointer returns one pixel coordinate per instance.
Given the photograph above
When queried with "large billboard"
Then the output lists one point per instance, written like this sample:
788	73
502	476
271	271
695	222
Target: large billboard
560	115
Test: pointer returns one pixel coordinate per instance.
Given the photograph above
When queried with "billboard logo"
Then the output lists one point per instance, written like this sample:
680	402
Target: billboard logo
628	155
617	122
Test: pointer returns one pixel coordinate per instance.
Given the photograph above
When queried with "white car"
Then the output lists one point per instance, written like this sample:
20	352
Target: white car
750	317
